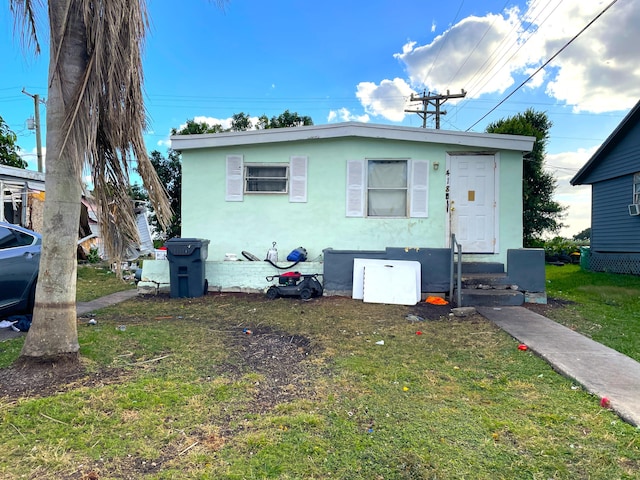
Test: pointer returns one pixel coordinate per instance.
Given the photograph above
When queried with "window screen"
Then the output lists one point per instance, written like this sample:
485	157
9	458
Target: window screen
387	188
266	179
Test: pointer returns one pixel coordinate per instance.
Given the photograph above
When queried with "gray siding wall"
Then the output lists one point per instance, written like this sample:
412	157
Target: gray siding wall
612	228
622	159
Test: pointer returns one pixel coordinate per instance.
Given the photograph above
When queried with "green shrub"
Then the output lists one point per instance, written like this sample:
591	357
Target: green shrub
94	256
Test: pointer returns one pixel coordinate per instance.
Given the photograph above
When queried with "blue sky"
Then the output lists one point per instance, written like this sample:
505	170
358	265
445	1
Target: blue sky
360	60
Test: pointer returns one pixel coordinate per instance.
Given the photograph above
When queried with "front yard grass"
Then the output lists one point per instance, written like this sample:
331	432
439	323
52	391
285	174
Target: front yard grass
95	281
237	387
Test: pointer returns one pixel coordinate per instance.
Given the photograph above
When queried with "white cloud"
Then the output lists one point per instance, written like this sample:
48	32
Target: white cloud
597	73
452	59
564	166
344	115
166	143
211	121
387	99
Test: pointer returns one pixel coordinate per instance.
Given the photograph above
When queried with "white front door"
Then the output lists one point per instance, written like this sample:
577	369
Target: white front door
472	202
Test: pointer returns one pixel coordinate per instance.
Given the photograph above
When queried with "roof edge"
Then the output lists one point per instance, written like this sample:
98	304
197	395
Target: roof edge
606	145
351	129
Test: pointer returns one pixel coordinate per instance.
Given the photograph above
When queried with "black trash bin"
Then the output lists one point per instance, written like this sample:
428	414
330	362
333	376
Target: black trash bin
187	266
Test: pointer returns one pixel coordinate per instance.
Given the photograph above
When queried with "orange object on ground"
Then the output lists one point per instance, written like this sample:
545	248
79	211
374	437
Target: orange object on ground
436	301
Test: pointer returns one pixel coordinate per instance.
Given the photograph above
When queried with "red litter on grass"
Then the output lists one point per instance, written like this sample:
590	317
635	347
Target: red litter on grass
418	332
605	402
522	347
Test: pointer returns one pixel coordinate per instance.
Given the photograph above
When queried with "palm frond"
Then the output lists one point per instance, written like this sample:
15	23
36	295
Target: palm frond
25	20
106	119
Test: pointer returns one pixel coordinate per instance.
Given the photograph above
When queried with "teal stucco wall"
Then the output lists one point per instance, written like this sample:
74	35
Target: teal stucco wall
260	219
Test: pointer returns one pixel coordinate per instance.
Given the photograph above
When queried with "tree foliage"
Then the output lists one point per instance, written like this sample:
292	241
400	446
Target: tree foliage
169	171
241	122
8	148
284	120
193	128
583	235
541	213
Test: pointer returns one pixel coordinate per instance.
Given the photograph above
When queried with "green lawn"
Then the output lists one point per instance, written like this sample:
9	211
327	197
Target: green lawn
95	281
183	392
606	308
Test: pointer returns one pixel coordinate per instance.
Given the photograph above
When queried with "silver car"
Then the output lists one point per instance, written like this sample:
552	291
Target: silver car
19	262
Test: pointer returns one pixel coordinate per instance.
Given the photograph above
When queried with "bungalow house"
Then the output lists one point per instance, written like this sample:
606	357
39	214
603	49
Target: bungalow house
614	175
350	190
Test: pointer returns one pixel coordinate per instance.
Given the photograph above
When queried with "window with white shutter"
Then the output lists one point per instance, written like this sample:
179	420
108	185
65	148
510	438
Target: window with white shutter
387	188
270	178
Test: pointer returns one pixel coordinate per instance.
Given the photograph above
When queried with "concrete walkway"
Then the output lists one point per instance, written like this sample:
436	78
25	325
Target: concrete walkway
82	308
601	370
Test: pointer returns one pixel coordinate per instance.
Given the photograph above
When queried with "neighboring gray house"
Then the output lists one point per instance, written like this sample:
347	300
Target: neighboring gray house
614	175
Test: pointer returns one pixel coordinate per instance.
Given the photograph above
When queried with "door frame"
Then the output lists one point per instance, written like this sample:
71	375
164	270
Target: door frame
496	197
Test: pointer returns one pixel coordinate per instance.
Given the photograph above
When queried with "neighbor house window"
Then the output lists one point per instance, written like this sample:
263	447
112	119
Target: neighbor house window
266	178
636	188
387	188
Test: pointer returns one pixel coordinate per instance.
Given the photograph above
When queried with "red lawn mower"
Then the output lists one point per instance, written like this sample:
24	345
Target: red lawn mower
295	284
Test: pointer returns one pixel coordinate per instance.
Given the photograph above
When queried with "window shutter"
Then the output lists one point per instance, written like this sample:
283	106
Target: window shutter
419	200
355	188
235	179
298	179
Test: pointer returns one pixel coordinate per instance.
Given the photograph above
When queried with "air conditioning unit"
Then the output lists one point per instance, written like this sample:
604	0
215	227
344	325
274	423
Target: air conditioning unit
634	209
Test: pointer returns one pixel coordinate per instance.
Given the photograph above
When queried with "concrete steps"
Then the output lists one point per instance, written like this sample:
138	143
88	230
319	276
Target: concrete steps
487	285
475	297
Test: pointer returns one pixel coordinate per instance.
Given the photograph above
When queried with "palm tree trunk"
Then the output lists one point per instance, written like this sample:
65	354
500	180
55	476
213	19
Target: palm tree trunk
53	333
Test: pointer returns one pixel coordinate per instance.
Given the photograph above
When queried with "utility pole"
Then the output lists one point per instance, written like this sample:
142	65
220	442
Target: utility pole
36	102
435	100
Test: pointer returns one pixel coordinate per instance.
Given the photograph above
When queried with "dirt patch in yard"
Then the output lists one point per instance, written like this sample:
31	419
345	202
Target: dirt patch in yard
41	379
279	358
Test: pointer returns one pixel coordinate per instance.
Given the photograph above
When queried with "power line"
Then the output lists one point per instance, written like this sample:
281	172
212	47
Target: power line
477	45
502	47
520	46
444	40
545	64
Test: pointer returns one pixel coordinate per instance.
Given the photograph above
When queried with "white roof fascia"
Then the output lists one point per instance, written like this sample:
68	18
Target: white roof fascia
7	171
353	129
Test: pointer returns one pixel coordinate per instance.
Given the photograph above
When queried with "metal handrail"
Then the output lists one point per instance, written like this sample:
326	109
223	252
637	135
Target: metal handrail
458	264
